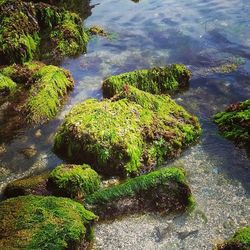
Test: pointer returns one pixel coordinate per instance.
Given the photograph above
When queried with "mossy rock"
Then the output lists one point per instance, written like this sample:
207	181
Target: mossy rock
134	131
36	185
234	123
7	86
66	180
62	31
161	190
45	96
19	31
38	222
240	240
27	27
156	80
75	180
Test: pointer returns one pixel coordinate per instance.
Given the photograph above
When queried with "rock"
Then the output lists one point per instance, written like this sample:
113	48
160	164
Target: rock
240	240
156	80
7	86
234	123
37	222
29	152
74	180
161	190
134	132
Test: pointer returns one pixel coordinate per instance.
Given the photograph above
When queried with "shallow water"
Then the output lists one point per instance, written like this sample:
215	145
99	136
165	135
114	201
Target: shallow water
203	35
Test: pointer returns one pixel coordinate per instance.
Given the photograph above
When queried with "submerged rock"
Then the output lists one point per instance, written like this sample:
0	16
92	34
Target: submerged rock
240	241
156	80
133	132
27	26
234	123
37	222
161	190
74	181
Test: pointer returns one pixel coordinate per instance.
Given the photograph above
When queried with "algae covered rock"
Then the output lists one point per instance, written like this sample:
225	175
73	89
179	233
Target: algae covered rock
19	31
234	123
161	190
156	80
240	240
37	222
75	180
42	88
7	86
135	131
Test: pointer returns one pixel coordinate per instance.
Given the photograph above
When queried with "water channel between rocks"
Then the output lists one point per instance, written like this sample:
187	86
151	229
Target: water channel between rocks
202	35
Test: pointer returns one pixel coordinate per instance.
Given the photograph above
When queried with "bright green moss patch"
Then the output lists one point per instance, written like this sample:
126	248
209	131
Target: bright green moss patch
156	80
75	180
164	189
51	84
37	222
134	131
240	240
19	36
7	86
234	123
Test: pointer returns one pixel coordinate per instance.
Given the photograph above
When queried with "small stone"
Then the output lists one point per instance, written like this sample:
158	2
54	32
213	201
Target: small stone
29	152
38	133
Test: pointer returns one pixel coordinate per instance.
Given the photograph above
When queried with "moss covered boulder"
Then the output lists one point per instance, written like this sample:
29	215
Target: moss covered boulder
156	80
234	123
74	180
161	190
240	241
7	86
134	131
41	88
37	222
38	30
19	31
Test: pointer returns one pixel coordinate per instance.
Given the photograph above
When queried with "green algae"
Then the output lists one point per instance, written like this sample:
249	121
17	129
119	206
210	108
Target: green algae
75	180
156	80
133	131
7	86
234	123
36	222
240	240
160	190
51	84
19	32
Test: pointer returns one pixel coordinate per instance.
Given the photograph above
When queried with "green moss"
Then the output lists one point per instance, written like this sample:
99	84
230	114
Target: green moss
123	135
7	86
64	31
240	240
234	123
156	80
51	84
154	188
75	180
36	222
19	36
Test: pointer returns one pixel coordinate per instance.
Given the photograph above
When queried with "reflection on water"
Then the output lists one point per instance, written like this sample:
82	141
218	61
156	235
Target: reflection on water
202	35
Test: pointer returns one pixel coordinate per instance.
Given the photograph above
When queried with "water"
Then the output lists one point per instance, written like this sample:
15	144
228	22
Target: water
203	35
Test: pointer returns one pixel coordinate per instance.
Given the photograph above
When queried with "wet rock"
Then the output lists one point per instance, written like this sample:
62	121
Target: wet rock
156	80
161	190
185	234
37	222
74	181
239	241
234	123
133	132
29	152
38	133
